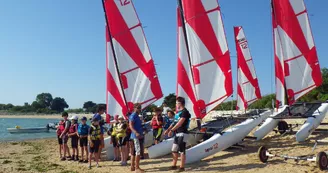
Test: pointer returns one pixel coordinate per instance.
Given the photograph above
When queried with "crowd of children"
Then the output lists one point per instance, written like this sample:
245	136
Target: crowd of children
83	135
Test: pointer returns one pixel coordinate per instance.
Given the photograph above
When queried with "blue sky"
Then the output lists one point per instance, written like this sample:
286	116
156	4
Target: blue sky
59	46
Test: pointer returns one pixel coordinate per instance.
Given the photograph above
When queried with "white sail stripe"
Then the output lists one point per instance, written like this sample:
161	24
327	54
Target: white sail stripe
217	26
280	91
198	51
125	62
299	75
113	107
251	68
111	67
247	88
129	14
240	103
141	42
299	95
189	104
298	6
209	89
305	25
215	104
210	4
289	48
138	89
183	55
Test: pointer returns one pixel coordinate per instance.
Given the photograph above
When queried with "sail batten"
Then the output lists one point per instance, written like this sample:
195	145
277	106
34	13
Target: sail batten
296	61
248	90
208	52
136	67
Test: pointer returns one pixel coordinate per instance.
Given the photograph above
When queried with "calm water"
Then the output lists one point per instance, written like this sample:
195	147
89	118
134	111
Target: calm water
24	122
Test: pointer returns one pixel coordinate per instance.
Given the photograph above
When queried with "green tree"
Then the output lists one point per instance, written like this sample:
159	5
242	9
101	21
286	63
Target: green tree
89	106
8	106
35	105
58	104
170	100
44	99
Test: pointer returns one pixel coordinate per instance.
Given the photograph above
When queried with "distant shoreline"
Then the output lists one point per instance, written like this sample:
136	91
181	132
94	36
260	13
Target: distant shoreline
56	116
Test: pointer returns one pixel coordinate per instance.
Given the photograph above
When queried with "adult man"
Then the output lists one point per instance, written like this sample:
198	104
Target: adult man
180	127
64	135
100	119
137	138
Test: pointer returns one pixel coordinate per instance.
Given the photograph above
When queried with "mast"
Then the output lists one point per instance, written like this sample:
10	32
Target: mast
113	51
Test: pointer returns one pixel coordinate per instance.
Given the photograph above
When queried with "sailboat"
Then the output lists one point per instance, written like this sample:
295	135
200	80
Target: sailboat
248	92
204	74
131	75
297	70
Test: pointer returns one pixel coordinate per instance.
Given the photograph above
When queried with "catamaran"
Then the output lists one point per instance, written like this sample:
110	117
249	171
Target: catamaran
297	70
204	77
131	75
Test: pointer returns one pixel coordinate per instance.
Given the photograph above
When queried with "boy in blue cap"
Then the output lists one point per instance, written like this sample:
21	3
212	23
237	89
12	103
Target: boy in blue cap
83	130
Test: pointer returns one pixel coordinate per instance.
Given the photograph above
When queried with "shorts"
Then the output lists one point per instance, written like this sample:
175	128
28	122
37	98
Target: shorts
95	148
84	142
114	141
121	141
137	147
60	141
74	141
157	134
179	143
64	139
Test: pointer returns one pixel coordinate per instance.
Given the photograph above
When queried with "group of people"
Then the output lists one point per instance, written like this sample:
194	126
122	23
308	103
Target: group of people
127	135
83	134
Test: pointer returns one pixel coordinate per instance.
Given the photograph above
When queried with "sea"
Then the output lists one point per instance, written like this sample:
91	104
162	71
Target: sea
25	123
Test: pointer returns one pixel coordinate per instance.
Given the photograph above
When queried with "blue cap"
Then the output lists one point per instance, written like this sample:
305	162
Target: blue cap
84	118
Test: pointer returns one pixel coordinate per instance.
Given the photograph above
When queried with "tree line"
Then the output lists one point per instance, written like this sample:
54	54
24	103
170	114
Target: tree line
46	104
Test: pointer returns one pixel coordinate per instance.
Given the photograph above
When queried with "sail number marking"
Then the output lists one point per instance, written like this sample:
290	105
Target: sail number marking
243	43
124	2
213	147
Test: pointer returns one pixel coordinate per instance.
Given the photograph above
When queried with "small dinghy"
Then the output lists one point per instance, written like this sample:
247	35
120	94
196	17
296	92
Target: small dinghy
18	129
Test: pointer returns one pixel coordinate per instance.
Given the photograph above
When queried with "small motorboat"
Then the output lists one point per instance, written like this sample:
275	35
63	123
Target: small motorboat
18	129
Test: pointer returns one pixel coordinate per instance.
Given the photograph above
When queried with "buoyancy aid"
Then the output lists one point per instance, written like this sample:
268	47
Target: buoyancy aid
121	130
95	132
72	128
60	127
114	126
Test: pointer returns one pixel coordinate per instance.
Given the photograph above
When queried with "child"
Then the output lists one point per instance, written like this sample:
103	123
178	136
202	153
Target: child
60	130
120	137
73	134
83	130
168	120
157	125
95	132
113	138
64	136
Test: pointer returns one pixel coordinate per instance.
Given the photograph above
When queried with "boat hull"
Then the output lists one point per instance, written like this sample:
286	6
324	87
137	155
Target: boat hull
312	123
28	130
220	142
268	125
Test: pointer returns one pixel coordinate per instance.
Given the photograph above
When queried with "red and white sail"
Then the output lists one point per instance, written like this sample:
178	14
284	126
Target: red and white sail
248	90
185	82
115	101
208	50
135	64
297	66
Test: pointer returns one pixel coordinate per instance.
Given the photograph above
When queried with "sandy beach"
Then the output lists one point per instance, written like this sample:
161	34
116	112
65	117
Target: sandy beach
42	156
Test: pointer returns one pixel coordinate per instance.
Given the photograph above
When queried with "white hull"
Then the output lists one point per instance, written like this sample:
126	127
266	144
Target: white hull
221	142
268	125
165	147
28	130
312	123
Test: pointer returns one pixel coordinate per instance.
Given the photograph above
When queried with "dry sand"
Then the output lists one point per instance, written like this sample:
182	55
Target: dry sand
42	156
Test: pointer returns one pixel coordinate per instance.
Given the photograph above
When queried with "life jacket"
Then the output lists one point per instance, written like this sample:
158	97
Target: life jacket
155	125
113	129
72	128
60	127
120	130
95	132
83	129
